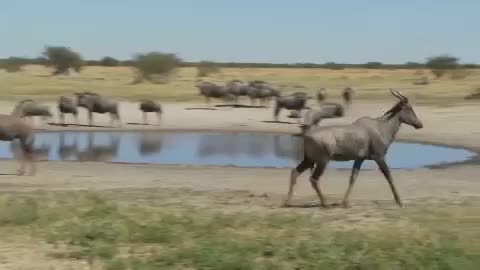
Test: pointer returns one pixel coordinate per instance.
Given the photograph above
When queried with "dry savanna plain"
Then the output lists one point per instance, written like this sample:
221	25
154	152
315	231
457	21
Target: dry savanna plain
100	215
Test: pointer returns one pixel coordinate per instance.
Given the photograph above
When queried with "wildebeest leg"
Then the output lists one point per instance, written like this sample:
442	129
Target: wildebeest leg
386	172
159	118
76	118
294	174
62	118
317	172
207	100
276	111
144	116
299	116
90	118
355	170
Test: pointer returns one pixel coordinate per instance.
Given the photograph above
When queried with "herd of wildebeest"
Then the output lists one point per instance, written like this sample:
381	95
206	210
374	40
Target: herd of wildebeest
364	139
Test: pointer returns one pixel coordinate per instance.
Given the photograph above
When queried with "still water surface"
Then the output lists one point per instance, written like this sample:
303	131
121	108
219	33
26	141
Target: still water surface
245	149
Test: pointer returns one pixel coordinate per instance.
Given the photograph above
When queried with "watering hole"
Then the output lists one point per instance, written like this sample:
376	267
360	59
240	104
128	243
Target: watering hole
244	149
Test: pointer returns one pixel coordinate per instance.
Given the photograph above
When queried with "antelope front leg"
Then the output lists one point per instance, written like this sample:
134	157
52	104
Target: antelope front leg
355	170
386	172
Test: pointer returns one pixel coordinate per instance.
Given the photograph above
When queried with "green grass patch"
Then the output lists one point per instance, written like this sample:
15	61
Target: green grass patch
118	235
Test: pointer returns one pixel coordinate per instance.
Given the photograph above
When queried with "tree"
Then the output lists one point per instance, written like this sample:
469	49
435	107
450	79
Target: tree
63	59
439	65
205	68
155	63
108	61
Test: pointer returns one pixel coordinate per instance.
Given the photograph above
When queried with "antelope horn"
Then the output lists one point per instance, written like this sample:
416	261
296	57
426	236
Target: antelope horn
397	94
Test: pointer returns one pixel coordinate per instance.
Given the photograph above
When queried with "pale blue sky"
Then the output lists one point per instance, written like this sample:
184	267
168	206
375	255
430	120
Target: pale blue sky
278	31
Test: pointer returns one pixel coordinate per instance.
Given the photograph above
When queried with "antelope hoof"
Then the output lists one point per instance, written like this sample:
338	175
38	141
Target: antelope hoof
346	205
20	172
286	204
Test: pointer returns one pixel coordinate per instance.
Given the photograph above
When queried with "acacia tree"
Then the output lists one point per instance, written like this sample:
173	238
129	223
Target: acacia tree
439	65
62	59
154	63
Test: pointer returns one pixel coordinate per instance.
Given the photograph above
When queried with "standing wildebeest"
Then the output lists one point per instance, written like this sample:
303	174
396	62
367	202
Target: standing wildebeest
95	103
365	139
237	88
13	127
296	101
347	95
321	95
29	108
211	90
147	106
67	105
262	91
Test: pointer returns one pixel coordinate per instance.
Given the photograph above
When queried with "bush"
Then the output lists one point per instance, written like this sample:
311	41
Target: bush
155	63
63	59
13	64
334	66
373	65
439	65
205	68
109	62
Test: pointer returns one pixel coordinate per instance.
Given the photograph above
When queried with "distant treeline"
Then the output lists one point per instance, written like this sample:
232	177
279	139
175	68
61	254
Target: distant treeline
110	61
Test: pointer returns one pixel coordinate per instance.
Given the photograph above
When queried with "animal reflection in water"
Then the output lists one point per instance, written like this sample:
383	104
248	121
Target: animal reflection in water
149	144
100	152
252	145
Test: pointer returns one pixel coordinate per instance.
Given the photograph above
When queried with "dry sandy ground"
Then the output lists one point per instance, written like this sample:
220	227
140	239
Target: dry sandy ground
248	188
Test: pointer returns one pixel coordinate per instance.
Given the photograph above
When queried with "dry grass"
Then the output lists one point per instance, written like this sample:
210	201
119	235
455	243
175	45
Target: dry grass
115	81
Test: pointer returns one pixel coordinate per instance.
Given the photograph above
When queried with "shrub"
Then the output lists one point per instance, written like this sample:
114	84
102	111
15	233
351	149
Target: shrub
109	62
439	65
13	64
373	65
333	65
63	59
205	68
155	63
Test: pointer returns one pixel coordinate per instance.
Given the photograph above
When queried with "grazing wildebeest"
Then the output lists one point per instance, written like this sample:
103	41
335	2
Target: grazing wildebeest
347	95
13	127
95	103
30	108
365	139
321	95
67	105
147	106
211	90
296	101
